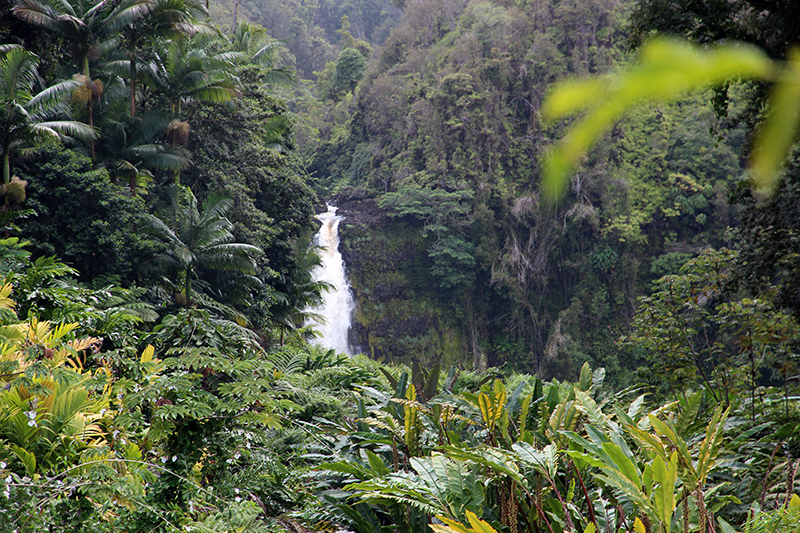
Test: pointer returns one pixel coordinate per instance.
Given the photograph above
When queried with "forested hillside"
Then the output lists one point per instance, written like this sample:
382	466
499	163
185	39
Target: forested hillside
443	134
620	359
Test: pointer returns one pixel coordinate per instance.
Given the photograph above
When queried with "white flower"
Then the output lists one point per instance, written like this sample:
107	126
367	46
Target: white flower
2	464
174	458
238	498
164	460
9	479
32	423
103	411
236	491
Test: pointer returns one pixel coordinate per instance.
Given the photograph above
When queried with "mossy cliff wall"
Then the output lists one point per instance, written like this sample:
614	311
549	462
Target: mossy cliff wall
398	316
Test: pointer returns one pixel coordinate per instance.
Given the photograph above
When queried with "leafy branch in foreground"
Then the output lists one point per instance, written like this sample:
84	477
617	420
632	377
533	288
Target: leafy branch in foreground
666	70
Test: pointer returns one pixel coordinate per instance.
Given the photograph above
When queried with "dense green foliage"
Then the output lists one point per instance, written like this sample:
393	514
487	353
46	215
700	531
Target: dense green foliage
160	379
189	425
160	98
444	133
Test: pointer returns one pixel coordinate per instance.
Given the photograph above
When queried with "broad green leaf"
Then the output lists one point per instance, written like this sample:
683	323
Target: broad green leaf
523	416
665	475
424	467
666	430
667	69
590	459
627	467
570	96
589	407
779	130
585	379
794	502
634	492
147	354
725	526
636	406
478	525
493	458
376	463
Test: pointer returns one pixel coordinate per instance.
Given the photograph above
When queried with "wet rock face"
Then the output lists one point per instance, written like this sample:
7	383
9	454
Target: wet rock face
397	315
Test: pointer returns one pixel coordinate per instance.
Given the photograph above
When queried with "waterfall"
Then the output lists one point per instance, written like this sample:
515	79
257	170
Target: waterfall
337	306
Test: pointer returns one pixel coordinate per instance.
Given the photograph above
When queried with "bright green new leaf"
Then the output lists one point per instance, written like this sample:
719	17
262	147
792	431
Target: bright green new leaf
667	69
477	525
780	128
794	502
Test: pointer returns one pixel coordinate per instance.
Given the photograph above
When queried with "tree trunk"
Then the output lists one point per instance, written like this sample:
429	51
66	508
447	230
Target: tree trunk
6	165
133	81
89	104
91	125
188	287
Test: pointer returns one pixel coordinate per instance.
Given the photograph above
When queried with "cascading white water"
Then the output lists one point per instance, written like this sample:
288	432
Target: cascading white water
337	306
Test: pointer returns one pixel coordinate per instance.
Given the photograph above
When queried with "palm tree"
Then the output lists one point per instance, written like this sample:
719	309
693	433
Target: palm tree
252	44
85	25
201	238
293	307
129	148
183	71
172	19
27	119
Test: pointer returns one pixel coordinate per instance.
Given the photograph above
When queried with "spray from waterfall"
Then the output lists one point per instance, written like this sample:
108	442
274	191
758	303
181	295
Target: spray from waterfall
338	305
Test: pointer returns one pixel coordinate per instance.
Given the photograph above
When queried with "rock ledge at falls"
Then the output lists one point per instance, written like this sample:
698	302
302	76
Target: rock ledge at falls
398	317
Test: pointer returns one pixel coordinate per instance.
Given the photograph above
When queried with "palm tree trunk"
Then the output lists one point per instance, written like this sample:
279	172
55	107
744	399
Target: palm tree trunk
133	87
188	286
6	166
91	125
89	103
132	57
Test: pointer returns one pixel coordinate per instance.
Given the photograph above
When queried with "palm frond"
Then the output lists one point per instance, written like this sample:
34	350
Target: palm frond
125	13
53	94
283	77
42	14
74	129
